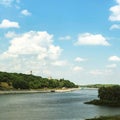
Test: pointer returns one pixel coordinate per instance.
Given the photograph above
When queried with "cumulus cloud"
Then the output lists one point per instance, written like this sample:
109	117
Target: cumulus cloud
114	58
118	1
65	38
92	39
9	24
78	59
33	50
34	43
25	12
115	26
77	68
115	12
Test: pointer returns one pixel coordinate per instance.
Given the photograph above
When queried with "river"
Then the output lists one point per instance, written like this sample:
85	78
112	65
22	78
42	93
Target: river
52	106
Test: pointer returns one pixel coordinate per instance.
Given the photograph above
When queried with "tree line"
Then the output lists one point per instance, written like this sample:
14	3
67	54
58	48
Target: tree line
24	81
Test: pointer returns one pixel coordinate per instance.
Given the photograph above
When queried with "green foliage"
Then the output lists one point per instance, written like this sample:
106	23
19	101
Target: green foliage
109	93
109	96
20	84
23	81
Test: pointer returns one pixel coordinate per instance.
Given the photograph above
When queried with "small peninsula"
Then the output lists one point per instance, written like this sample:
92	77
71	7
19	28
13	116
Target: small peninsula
108	96
117	117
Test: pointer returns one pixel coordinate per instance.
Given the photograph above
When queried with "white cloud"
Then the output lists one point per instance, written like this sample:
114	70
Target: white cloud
77	68
8	3
92	39
54	51
78	59
25	12
65	37
111	66
59	63
115	26
114	58
33	50
115	12
34	43
9	24
118	1
10	34
96	72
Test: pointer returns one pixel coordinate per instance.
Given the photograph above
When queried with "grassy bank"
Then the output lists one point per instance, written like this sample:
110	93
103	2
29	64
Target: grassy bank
104	103
106	118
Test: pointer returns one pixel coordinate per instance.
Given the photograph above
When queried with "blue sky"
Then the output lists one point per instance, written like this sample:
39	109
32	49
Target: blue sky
76	40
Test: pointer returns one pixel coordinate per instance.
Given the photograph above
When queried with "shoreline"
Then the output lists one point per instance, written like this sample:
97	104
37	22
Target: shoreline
115	117
38	91
103	103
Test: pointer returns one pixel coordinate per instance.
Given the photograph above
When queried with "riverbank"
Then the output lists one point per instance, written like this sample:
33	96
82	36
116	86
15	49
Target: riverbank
106	118
38	91
104	103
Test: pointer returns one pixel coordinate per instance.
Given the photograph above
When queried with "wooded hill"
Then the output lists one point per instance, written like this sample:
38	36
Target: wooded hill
23	81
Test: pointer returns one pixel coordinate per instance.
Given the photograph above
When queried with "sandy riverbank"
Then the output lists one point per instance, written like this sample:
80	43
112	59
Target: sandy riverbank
38	91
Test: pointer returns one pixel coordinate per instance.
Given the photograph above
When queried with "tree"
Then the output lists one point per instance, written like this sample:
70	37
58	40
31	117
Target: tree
20	84
109	93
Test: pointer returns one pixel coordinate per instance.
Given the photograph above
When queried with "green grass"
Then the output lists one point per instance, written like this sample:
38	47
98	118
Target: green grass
104	103
106	118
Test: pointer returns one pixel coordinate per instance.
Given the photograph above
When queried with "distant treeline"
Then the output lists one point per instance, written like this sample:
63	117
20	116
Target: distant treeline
97	85
24	81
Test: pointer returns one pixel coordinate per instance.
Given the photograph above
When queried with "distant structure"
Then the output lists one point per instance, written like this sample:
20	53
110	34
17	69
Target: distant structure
31	72
49	77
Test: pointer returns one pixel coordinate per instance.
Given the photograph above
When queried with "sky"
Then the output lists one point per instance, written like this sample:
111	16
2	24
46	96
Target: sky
78	40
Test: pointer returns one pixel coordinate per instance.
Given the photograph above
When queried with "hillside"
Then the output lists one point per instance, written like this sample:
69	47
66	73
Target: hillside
11	81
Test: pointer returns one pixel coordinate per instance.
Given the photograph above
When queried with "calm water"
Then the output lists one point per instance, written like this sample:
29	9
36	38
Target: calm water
52	106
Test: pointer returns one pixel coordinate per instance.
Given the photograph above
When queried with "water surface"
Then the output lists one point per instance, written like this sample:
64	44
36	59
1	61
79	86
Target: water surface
52	106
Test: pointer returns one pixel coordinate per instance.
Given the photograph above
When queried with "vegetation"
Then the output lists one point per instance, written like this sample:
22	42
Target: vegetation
109	96
97	85
106	118
109	93
22	81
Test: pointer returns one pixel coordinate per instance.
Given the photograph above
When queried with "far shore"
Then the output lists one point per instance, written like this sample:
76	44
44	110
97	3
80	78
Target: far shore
38	91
